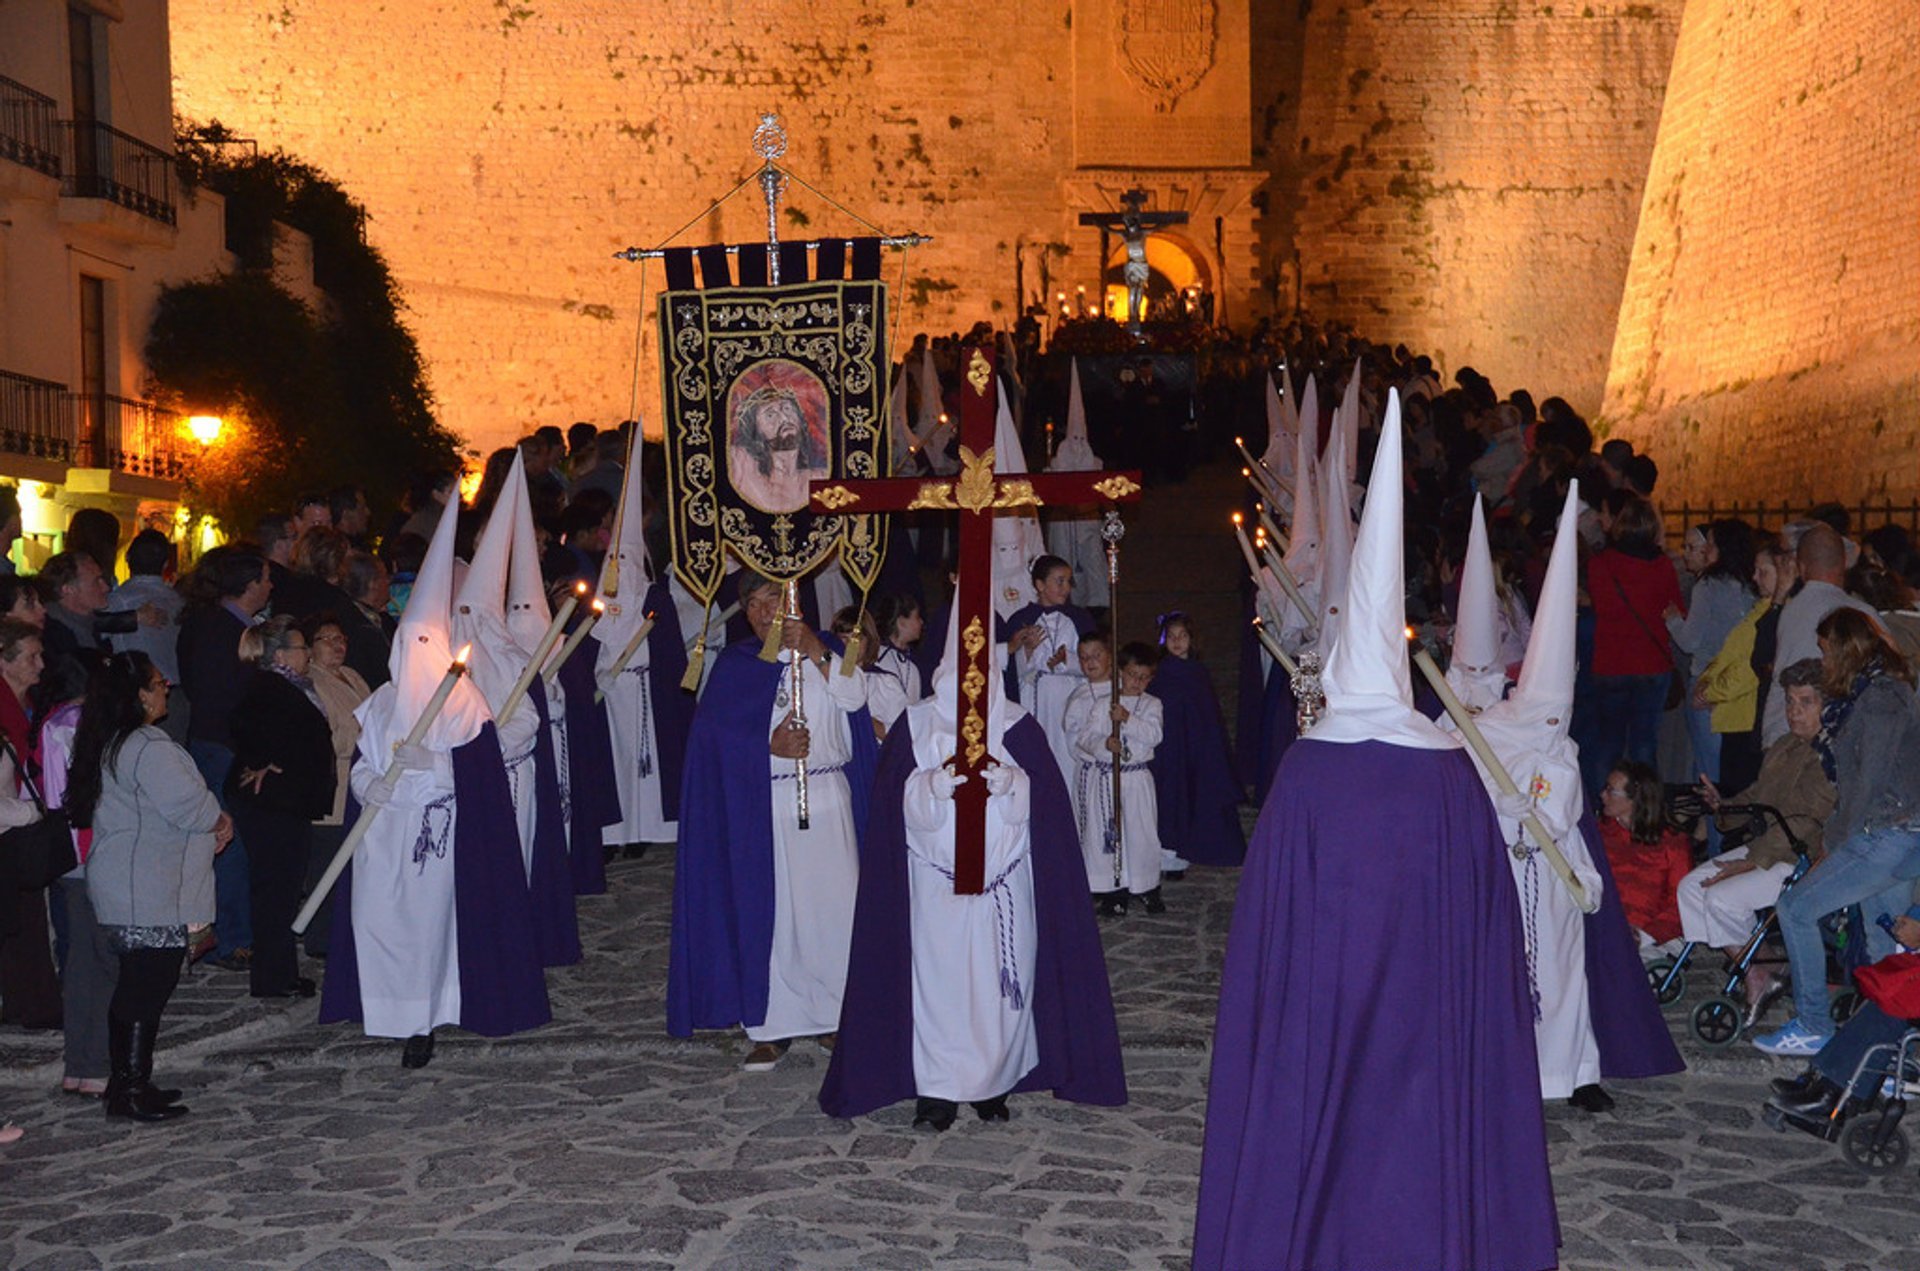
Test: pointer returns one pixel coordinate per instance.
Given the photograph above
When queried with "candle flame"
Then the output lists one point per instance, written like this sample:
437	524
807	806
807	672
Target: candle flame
460	658
1409	631
598	606
580	588
1236	518
1238	442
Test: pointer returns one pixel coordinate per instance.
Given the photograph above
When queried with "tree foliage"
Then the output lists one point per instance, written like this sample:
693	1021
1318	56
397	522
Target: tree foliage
315	399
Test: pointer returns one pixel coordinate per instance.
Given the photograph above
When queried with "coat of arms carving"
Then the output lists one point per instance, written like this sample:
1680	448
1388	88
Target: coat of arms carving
1166	46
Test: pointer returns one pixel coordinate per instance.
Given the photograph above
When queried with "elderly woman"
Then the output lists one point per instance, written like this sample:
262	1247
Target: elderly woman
283	779
1869	743
29	990
1718	900
341	691
155	827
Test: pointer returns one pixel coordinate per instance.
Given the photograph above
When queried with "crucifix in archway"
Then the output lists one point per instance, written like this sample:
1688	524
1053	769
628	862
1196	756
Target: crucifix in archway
1133	223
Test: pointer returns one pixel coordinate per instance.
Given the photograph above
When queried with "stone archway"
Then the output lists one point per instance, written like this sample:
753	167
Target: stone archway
1182	276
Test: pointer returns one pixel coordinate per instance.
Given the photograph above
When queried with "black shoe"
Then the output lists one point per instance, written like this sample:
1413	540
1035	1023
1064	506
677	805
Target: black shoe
1151	902
1591	1098
1111	904
1795	1089
1172	875
129	1095
637	851
992	1109
936	1114
1821	1098
301	987
418	1052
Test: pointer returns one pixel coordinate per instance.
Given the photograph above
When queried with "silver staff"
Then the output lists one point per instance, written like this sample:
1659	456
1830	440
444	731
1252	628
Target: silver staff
1113	531
797	682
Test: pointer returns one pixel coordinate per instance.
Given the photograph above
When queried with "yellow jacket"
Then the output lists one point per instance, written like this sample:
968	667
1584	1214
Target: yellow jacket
1728	684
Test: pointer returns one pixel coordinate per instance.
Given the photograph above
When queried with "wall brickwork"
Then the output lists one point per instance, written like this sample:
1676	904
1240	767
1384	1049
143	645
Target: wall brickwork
1769	339
1469	173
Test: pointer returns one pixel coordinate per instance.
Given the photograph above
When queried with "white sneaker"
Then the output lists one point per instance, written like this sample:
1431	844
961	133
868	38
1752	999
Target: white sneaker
1171	862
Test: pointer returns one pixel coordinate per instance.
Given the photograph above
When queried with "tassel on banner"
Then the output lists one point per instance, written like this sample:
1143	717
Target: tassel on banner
697	658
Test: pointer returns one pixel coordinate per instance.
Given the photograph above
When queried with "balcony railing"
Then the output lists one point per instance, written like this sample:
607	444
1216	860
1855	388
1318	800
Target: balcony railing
29	128
126	435
104	163
36	418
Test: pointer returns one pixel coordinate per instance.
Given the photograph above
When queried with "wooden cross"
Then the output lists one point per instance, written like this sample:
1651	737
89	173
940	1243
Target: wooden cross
1133	223
977	494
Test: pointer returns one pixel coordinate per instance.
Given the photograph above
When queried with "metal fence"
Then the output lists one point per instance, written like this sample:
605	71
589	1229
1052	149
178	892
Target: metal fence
126	435
104	163
29	128
36	418
1862	516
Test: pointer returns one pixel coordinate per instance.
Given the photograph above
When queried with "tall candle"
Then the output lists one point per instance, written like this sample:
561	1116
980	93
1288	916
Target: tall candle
580	633
1246	548
547	640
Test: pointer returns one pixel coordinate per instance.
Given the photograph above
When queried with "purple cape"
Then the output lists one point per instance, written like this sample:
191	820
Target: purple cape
670	705
1279	726
556	926
1374	1099
872	1064
723	883
590	782
1634	1039
502	988
1198	798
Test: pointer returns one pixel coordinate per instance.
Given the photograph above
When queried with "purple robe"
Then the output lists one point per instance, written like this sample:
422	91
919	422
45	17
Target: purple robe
1279	727
1633	1035
590	781
1250	698
1374	1100
723	878
1079	1042
502	987
671	705
556	925
1197	796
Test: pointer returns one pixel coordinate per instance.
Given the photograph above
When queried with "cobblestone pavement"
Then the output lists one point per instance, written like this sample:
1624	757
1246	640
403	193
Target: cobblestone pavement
600	1141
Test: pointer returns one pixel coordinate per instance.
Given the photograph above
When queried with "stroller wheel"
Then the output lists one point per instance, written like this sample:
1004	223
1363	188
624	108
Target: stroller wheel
1716	1021
1846	1004
1870	1151
1657	973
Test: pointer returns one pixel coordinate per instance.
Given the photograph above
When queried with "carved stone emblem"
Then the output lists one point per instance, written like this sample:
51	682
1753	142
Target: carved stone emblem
1166	46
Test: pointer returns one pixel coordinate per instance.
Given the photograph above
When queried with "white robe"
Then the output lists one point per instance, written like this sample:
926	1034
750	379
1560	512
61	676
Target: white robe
973	1034
1089	726
406	944
893	685
636	748
816	871
1044	689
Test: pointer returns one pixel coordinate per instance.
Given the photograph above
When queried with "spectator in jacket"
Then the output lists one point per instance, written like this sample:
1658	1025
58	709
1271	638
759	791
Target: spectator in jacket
156	828
281	781
1869	743
1648	857
1631	585
1822	558
341	691
29	990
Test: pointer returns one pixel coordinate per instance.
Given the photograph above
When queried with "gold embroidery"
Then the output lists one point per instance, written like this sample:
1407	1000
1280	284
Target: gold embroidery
835	497
979	374
934	494
1116	488
973	730
1016	494
974	490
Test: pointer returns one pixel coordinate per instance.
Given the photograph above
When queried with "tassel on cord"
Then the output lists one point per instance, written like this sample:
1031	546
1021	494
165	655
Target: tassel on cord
690	682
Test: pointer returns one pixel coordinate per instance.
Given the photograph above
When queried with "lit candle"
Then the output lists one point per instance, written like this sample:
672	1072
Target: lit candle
1490	762
1273	647
547	640
1273	531
364	822
620	663
1246	548
580	633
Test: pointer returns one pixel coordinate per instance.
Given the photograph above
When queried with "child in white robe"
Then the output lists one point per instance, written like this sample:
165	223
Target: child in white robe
1089	720
894	677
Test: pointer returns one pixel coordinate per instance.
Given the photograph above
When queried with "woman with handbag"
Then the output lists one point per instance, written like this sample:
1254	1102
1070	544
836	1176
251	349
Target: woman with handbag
29	989
1631	584
156	828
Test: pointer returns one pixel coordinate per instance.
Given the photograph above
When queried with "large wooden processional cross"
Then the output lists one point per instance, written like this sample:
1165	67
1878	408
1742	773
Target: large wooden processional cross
977	494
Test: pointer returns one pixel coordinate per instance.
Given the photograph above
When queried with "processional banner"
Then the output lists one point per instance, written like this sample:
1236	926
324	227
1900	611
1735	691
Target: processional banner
766	389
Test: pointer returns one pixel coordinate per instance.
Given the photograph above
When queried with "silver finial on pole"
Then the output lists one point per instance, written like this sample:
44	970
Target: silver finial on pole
770	143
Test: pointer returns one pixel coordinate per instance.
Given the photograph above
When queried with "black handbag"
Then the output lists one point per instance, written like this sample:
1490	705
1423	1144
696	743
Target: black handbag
37	855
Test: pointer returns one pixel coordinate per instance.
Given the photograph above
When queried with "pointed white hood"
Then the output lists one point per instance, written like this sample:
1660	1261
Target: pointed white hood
1336	539
1281	426
422	650
1075	454
1347	423
626	606
528	613
1475	670
932	718
1017	540
480	609
1303	533
1368	680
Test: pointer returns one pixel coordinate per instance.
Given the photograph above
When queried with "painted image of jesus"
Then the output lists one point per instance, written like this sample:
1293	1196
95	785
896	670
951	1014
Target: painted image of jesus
776	436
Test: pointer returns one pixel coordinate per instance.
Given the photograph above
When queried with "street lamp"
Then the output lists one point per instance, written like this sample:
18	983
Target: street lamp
205	428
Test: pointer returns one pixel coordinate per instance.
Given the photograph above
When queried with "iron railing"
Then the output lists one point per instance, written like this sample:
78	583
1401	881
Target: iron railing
104	163
36	418
126	435
29	128
1862	516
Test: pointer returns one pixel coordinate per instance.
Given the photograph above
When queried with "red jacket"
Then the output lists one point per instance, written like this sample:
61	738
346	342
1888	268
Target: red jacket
1631	641
1648	876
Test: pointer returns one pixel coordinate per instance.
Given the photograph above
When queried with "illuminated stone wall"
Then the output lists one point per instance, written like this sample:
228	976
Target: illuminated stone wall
1468	175
1769	340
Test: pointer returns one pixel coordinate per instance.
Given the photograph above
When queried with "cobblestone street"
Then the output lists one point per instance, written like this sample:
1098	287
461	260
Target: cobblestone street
599	1141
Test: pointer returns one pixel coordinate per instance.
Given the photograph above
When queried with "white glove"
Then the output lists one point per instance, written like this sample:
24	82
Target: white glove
379	792
1512	807
1000	778
944	781
413	757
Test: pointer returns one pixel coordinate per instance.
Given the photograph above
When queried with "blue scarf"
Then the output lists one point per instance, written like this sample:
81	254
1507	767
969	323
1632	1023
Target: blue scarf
1833	715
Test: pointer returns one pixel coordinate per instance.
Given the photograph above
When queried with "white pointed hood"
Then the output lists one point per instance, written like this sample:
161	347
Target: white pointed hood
422	650
528	613
932	718
1336	538
1347	421
1281	426
1075	454
905	443
1303	532
480	609
626	605
1475	670
1017	540
1367	679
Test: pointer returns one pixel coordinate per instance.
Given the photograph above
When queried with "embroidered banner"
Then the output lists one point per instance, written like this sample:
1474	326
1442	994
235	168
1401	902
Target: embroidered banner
767	389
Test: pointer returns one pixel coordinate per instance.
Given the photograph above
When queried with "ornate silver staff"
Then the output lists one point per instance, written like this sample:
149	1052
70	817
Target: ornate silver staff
796	680
1112	531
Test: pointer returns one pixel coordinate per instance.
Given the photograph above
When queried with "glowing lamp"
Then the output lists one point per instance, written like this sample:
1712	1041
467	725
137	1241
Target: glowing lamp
205	428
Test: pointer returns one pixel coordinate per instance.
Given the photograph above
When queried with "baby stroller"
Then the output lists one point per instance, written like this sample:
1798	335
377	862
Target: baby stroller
1722	1018
1868	1130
